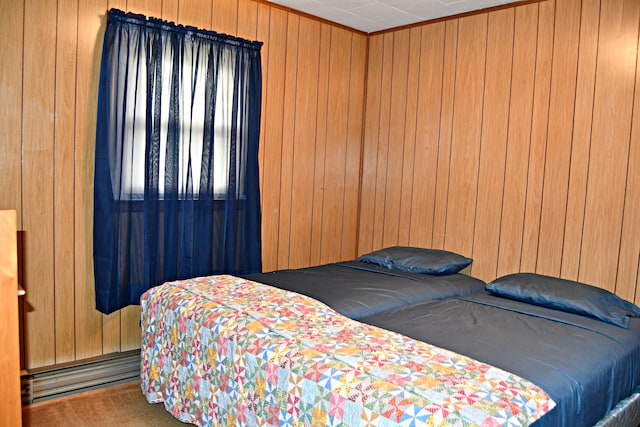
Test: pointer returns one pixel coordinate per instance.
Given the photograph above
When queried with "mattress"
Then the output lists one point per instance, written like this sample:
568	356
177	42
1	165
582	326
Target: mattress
585	365
223	350
358	289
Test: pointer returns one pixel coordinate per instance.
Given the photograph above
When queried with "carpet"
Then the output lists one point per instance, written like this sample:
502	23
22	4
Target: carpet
121	405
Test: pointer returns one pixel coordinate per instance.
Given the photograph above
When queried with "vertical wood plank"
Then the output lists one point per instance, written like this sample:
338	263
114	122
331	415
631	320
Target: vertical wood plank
11	107
465	140
613	109
628	281
544	53
383	141
247	16
579	161
273	117
425	171
170	10
196	13
38	177
288	138
304	143
91	24
410	126
321	142
149	8
446	130
336	144
65	87
354	146
262	34
519	139
493	144
370	142
224	16
396	136
559	136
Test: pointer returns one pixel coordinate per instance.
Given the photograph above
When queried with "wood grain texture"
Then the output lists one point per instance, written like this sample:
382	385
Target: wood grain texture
11	107
64	177
323	108
510	135
493	141
353	161
304	143
629	265
519	139
466	133
313	105
273	114
10	405
427	134
288	137
559	136
581	145
334	146
89	328
608	160
538	146
446	128
370	144
535	112
38	178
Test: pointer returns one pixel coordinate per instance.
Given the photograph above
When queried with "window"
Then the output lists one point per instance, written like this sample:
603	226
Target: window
176	170
191	122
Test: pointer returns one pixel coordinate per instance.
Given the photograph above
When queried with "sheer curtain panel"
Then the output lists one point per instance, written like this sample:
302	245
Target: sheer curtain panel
176	161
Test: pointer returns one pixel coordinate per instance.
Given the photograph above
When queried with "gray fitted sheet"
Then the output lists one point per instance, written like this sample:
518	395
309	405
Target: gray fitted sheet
356	289
585	365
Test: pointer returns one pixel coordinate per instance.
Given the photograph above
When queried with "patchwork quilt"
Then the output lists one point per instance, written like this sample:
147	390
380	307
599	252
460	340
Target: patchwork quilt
226	351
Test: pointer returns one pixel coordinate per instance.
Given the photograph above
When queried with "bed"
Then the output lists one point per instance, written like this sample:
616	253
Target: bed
581	346
226	350
358	288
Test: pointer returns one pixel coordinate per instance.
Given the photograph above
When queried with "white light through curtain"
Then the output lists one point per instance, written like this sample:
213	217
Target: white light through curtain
176	175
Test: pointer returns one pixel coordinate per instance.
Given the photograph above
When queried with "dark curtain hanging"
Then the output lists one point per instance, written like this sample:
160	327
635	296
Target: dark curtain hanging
176	166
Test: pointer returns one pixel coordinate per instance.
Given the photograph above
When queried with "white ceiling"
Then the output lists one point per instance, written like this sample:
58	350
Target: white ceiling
376	15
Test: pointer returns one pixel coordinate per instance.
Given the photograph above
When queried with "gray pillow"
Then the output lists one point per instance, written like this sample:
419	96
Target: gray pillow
417	260
565	295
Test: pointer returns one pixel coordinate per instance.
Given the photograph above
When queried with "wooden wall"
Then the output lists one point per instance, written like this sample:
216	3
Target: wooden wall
313	78
512	137
507	136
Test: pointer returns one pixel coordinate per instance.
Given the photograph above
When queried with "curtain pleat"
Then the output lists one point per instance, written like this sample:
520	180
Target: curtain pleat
176	158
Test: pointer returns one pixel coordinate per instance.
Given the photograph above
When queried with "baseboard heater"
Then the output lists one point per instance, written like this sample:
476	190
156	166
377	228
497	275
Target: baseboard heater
61	380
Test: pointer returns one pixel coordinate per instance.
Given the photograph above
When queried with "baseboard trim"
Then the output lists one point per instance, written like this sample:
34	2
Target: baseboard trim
62	380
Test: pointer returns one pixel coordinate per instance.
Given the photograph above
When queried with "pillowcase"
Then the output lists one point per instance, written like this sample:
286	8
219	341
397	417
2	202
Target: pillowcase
565	295
417	260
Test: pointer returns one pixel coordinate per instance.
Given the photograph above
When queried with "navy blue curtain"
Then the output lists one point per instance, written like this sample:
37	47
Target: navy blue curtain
176	160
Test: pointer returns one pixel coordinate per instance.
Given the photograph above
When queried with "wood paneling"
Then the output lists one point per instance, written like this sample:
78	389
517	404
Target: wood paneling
64	177
510	136
533	116
466	133
493	142
313	101
427	136
38	177
518	139
11	107
608	160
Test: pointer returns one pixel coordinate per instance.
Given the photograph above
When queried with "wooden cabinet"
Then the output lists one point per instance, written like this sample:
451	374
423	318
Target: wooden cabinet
10	403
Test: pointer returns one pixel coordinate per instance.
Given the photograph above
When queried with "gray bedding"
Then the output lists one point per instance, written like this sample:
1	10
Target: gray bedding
584	364
357	289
